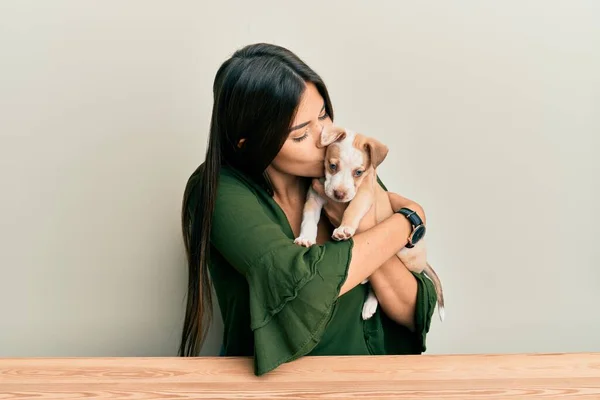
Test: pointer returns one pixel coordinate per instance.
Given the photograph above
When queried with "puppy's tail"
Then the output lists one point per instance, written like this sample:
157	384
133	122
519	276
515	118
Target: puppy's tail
430	272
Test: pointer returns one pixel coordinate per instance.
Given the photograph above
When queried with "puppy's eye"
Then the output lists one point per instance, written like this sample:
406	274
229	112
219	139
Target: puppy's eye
332	166
358	173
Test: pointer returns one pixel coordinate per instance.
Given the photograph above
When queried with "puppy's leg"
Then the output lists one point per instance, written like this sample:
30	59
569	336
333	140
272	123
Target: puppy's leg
415	259
310	219
357	209
370	305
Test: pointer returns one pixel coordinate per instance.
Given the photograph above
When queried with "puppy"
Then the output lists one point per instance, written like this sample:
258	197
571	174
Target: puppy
350	163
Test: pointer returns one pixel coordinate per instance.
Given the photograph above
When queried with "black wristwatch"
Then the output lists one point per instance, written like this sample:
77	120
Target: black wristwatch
418	230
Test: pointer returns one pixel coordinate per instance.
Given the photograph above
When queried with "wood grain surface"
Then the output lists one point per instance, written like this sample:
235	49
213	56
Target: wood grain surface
506	376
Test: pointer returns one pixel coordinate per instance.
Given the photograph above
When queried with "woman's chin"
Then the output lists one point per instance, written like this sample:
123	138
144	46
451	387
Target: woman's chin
314	170
320	173
319	170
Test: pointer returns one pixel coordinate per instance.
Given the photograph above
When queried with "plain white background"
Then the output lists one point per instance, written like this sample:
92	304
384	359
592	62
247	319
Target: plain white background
491	111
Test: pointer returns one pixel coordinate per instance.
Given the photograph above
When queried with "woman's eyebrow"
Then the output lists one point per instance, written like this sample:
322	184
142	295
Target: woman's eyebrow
302	125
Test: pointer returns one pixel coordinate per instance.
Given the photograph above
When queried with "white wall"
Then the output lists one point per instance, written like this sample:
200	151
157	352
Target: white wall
491	111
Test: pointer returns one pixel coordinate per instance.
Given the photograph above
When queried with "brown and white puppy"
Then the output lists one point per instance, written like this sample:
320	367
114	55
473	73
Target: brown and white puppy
351	160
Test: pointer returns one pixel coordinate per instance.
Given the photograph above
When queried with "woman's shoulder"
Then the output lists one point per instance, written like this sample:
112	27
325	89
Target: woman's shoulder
233	176
231	185
236	189
227	176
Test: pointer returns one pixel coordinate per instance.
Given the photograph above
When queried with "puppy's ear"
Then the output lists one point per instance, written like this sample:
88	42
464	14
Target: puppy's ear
331	134
377	151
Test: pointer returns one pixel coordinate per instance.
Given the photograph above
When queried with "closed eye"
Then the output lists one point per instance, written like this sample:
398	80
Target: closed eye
301	138
325	114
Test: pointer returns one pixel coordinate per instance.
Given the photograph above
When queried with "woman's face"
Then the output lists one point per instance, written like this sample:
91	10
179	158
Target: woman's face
300	155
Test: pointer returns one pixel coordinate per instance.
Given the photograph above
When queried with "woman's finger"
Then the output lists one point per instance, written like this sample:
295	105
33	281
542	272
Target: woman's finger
318	187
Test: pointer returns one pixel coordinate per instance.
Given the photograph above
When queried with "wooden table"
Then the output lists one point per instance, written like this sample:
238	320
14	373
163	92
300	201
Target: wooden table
519	376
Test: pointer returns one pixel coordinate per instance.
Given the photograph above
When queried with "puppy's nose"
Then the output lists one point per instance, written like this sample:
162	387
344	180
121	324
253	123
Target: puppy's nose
339	194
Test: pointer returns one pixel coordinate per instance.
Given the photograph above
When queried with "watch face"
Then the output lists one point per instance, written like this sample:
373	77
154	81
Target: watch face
418	233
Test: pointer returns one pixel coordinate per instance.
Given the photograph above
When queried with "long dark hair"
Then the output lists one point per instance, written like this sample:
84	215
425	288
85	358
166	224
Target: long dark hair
256	94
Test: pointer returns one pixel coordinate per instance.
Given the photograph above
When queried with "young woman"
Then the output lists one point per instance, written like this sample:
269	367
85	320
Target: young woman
242	209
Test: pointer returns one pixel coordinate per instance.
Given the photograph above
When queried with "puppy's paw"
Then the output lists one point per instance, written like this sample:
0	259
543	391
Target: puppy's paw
369	307
343	232
303	241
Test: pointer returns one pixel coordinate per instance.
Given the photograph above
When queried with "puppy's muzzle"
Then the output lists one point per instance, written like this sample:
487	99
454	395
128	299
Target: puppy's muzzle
339	194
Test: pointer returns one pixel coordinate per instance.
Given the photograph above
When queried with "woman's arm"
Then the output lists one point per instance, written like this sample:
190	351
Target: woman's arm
375	247
396	290
394	285
381	234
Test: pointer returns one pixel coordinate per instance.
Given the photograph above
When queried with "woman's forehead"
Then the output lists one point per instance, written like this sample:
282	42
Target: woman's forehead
311	105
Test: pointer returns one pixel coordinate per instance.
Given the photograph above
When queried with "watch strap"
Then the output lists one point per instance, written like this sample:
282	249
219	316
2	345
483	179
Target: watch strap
411	215
415	221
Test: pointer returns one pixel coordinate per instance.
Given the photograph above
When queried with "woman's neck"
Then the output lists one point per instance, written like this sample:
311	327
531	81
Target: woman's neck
288	190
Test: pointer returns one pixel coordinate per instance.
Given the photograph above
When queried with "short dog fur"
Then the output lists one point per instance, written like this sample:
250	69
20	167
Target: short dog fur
350	175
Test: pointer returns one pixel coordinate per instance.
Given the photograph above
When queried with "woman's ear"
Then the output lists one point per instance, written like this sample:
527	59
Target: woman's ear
331	134
240	143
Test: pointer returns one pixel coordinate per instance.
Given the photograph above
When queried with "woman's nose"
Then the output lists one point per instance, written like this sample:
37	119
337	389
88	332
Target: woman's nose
320	128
